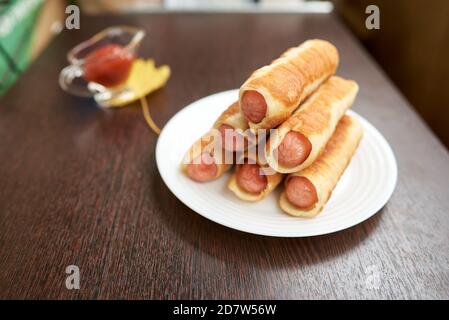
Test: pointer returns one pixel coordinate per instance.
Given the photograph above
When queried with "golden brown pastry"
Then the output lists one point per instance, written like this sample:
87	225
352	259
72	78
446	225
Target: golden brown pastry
307	191
273	92
232	126
207	159
253	179
299	141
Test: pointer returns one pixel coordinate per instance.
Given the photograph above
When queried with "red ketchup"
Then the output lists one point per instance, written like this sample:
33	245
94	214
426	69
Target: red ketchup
108	65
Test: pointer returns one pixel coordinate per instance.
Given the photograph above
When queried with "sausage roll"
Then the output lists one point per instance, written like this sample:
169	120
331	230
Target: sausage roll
232	126
206	160
253	179
299	141
308	190
211	155
273	92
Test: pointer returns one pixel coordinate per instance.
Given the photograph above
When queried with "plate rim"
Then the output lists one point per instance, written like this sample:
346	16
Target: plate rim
351	223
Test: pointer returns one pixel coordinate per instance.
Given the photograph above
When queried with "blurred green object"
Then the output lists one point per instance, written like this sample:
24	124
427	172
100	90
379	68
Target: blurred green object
17	20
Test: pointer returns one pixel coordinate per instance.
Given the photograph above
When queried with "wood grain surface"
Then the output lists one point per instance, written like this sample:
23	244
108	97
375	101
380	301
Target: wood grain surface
79	185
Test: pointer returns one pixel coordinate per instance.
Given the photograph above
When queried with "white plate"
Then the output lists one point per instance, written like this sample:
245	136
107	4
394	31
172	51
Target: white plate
363	190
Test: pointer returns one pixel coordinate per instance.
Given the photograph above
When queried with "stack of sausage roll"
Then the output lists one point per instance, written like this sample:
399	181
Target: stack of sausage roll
313	139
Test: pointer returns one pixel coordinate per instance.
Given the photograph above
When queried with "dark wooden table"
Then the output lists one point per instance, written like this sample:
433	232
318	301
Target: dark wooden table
79	185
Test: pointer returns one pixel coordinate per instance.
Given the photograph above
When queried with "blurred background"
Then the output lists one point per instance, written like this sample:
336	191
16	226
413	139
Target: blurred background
412	44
